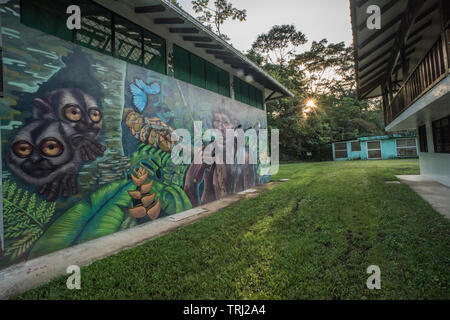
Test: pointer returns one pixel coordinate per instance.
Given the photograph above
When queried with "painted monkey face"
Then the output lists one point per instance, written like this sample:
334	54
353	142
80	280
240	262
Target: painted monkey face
74	107
39	149
80	111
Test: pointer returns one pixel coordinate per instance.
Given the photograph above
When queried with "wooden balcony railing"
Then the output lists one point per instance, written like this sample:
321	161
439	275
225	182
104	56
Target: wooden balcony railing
432	69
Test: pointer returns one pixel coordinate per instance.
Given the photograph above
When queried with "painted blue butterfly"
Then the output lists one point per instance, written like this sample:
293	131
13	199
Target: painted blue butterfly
140	92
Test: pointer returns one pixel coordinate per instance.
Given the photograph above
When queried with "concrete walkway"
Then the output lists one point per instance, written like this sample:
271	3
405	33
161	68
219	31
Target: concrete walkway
436	194
27	275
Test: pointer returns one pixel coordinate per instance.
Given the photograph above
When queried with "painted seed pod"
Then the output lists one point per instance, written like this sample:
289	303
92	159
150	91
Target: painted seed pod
135	195
146	187
146	202
151	131
138	212
154	211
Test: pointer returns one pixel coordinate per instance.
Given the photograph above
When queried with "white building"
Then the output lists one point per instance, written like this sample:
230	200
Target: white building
406	62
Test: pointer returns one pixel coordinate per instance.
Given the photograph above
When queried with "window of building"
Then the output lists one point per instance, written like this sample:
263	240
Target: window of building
212	77
247	93
181	64
96	28
355	146
340	150
423	143
154	52
1	71
100	29
128	41
192	69
198	74
374	149
48	16
406	148
441	135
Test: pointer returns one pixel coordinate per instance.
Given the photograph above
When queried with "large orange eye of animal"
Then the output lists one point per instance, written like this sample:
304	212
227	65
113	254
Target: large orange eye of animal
73	113
22	149
51	147
95	115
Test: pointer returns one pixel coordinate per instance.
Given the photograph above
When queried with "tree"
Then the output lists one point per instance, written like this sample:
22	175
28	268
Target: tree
215	17
324	73
278	45
328	67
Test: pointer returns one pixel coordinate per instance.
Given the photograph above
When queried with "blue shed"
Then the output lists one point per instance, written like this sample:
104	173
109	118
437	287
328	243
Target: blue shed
376	148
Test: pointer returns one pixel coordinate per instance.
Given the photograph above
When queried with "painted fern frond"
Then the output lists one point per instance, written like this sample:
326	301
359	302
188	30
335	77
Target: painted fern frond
21	245
24	219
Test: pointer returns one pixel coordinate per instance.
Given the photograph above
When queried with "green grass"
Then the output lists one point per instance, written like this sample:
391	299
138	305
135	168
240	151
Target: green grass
310	238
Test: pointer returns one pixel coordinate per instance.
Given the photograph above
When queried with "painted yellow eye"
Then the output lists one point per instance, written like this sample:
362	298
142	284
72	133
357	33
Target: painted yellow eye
95	115
73	113
51	147
22	149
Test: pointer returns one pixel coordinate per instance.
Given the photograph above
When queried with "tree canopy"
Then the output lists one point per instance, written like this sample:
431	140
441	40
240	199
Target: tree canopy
325	107
215	16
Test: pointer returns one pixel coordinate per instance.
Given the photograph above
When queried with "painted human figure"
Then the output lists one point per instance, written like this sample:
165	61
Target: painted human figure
208	182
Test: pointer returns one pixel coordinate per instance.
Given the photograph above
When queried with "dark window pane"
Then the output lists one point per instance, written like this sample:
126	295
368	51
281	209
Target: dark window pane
95	30
237	88
373	145
198	76
340	146
339	154
47	16
406	152
245	92
259	100
356	146
423	139
154	52
128	41
212	77
181	64
224	83
252	95
374	154
403	143
441	135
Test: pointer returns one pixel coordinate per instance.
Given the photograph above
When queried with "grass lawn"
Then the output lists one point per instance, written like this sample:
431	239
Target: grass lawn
310	238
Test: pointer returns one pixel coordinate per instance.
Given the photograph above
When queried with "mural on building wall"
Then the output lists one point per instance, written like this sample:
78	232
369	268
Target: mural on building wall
87	143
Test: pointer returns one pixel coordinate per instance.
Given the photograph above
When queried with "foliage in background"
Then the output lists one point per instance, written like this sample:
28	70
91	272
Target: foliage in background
323	74
25	219
279	44
214	17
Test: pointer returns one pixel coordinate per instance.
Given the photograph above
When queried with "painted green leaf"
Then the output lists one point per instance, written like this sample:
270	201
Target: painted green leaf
87	221
173	198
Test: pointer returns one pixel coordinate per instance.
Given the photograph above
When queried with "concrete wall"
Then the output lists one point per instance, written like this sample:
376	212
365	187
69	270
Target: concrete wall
433	165
86	143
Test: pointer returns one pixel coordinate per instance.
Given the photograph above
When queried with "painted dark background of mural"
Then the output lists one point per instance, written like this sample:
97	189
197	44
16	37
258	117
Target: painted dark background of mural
135	180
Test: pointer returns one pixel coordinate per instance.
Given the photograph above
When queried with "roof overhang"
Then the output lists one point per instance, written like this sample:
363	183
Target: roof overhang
183	28
376	51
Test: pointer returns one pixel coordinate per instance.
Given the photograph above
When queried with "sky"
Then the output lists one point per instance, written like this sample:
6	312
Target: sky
317	19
